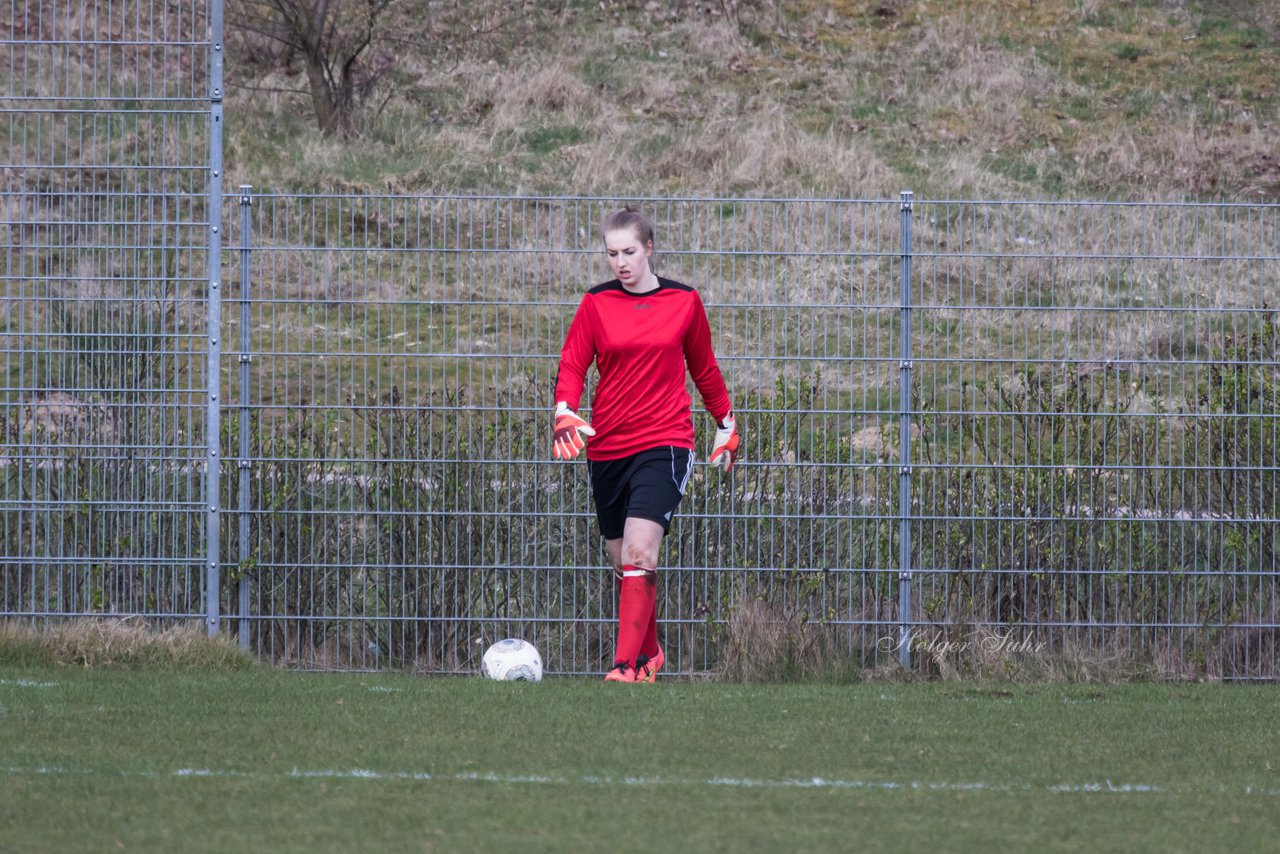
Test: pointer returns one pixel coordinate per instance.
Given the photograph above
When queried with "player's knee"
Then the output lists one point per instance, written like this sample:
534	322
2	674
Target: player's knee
641	558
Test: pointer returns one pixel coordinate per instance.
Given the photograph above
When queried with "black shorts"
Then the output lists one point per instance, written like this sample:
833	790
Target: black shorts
647	485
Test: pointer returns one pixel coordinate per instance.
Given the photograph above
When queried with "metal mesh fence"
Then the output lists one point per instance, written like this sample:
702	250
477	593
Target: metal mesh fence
1097	390
103	221
1040	428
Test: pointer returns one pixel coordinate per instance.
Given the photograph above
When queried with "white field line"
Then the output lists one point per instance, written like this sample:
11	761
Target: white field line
1105	787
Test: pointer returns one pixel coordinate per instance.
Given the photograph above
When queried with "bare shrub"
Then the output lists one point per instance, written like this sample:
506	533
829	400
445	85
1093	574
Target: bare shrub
1247	652
771	642
60	419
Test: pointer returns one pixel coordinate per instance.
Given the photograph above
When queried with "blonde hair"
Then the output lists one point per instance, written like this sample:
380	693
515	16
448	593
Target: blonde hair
630	217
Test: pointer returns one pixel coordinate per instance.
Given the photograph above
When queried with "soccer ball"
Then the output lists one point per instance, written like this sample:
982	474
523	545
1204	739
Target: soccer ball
512	660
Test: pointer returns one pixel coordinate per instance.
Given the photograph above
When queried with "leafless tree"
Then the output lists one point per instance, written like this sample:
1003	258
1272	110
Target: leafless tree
338	42
348	47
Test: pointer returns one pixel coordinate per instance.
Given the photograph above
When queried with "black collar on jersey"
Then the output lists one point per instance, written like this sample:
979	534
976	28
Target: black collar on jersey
616	285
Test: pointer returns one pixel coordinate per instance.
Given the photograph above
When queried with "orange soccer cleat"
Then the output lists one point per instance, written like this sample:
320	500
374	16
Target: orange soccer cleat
647	668
620	672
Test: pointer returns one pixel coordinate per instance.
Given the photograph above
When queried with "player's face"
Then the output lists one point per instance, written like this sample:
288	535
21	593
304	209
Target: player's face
628	257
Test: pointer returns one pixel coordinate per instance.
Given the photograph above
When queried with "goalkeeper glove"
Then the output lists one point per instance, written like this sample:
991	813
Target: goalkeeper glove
724	450
569	430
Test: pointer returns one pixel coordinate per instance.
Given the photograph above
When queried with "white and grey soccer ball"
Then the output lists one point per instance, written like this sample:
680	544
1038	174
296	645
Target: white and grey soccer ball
512	660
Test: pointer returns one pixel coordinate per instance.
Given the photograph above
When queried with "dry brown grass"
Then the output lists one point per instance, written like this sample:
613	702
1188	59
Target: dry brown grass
770	642
547	91
999	652
1247	651
127	644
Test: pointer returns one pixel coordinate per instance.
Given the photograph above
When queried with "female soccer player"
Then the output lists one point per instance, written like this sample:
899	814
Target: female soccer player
642	331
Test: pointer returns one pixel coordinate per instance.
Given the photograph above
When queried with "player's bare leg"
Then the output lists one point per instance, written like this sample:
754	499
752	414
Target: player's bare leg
635	560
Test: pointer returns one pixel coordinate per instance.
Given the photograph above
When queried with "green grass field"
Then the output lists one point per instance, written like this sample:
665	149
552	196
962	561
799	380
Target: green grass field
94	760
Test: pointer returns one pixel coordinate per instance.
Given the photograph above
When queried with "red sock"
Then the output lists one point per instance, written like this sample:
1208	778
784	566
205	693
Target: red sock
649	648
635	610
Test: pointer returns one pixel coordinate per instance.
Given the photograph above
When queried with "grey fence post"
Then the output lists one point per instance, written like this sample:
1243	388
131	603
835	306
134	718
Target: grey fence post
904	443
212	590
242	465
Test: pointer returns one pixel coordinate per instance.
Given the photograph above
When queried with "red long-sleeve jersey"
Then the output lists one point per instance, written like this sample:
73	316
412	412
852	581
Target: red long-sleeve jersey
641	344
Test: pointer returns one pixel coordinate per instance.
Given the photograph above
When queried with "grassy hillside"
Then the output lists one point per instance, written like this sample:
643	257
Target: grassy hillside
1167	99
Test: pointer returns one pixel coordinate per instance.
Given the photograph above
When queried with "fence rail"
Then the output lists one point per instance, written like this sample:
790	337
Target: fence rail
976	432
